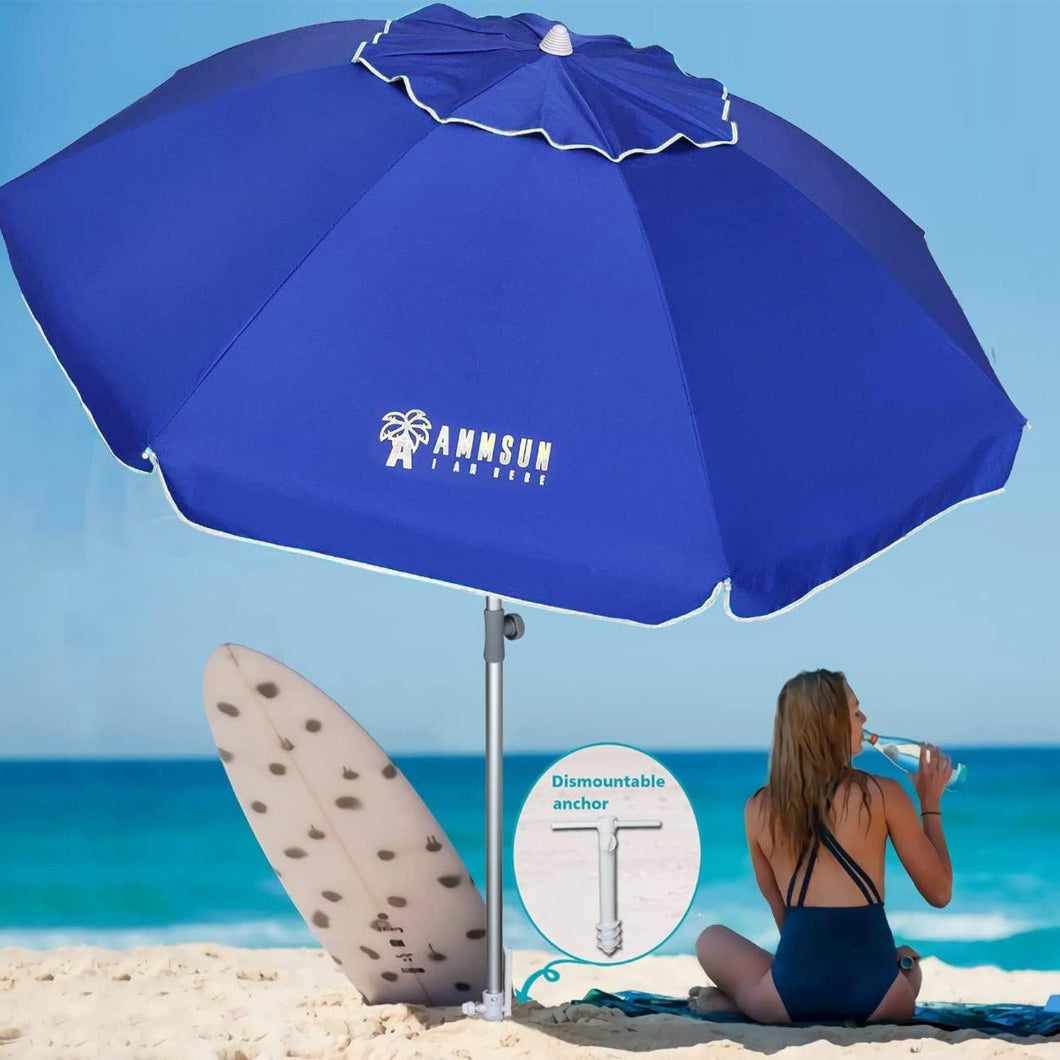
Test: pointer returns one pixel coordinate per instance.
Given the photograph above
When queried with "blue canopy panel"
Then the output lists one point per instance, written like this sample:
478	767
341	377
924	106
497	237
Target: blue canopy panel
860	208
145	247
836	414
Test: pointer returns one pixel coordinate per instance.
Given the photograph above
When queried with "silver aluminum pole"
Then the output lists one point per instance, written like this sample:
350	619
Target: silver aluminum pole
494	798
496	998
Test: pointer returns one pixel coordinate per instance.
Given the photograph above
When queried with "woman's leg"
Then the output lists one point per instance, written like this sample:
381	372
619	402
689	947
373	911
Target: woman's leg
742	973
900	1000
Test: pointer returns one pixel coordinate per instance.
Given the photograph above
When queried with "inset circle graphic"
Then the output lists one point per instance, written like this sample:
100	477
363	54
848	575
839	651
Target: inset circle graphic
606	853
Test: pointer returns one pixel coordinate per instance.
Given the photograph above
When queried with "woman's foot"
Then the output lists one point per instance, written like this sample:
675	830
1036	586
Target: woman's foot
704	999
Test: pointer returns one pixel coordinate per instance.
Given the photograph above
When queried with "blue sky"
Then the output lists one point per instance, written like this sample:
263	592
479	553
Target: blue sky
109	605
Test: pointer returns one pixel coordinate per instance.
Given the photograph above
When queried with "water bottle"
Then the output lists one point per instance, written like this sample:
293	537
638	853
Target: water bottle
905	754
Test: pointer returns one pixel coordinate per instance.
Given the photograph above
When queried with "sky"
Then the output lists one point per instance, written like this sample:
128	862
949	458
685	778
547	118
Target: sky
110	606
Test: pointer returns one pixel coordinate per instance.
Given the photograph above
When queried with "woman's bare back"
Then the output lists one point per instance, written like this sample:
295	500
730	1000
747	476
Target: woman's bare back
859	824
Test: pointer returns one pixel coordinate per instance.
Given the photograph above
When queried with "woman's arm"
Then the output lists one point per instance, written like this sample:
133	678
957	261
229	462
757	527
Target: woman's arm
767	882
918	839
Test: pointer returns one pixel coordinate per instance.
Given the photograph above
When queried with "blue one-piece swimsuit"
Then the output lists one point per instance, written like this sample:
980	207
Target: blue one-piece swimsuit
834	962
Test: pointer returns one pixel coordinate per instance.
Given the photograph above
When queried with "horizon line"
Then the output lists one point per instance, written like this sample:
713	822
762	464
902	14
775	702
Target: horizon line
14	759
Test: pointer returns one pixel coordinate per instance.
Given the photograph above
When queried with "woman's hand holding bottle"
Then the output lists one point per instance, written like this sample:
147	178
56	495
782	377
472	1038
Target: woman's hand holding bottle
932	776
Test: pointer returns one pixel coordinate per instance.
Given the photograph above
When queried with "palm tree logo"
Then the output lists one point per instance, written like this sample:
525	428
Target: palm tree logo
406	432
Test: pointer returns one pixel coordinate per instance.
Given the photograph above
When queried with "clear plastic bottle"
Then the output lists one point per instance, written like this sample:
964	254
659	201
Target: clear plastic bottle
905	754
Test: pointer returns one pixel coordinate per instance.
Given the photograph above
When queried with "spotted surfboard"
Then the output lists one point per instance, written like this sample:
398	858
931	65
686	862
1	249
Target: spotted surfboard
355	847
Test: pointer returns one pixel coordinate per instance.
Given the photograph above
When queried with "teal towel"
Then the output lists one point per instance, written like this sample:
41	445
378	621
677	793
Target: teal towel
1021	1020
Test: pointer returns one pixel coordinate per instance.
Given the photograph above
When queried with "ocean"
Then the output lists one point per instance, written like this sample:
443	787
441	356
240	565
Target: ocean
128	853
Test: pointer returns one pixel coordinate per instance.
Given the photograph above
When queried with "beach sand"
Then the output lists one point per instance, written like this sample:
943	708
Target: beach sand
193	1002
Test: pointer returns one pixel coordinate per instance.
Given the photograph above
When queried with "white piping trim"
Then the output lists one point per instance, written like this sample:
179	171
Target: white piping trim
150	455
857	566
723	586
88	411
359	58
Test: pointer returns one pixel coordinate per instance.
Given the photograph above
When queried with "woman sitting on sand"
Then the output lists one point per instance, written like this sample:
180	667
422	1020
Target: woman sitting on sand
817	833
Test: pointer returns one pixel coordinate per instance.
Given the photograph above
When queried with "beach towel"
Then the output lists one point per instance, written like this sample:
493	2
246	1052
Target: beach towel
1021	1020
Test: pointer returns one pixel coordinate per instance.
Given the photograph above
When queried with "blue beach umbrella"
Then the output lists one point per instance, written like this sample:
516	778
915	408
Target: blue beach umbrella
513	309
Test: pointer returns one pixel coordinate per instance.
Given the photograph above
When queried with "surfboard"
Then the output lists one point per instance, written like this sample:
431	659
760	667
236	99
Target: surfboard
358	852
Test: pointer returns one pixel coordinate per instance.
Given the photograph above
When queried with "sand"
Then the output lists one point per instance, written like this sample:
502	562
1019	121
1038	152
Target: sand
193	1002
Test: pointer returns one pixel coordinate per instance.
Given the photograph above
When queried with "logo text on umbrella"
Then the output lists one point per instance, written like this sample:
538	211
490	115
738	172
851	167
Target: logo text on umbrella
463	449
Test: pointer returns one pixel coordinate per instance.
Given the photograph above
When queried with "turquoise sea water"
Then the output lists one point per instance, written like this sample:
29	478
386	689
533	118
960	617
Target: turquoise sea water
141	852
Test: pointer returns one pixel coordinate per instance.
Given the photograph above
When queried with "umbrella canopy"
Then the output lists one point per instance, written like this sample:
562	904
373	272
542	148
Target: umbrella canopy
510	308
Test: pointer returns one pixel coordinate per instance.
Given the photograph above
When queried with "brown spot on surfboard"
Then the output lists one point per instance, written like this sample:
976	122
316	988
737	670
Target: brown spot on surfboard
228	708
268	690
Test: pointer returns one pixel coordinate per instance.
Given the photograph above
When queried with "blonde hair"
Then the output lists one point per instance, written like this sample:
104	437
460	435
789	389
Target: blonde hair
810	758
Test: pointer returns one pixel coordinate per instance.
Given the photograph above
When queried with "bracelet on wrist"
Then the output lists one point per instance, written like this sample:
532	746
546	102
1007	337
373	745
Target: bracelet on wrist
934	813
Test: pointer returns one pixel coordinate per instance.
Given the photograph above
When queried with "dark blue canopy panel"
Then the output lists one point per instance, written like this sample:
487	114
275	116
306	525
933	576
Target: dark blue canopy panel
144	252
395	324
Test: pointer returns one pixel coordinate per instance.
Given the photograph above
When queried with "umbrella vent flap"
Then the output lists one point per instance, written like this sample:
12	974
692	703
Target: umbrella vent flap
527	75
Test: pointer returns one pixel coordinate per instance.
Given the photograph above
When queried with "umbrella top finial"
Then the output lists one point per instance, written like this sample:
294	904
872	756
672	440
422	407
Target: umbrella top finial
557	41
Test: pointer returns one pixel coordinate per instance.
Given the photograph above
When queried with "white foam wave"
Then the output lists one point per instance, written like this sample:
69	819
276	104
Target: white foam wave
258	934
959	927
255	934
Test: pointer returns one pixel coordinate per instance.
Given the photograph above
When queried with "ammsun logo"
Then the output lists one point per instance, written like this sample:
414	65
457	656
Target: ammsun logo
464	450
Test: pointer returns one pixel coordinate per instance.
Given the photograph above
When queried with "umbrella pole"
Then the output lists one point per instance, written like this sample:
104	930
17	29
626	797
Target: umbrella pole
497	997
